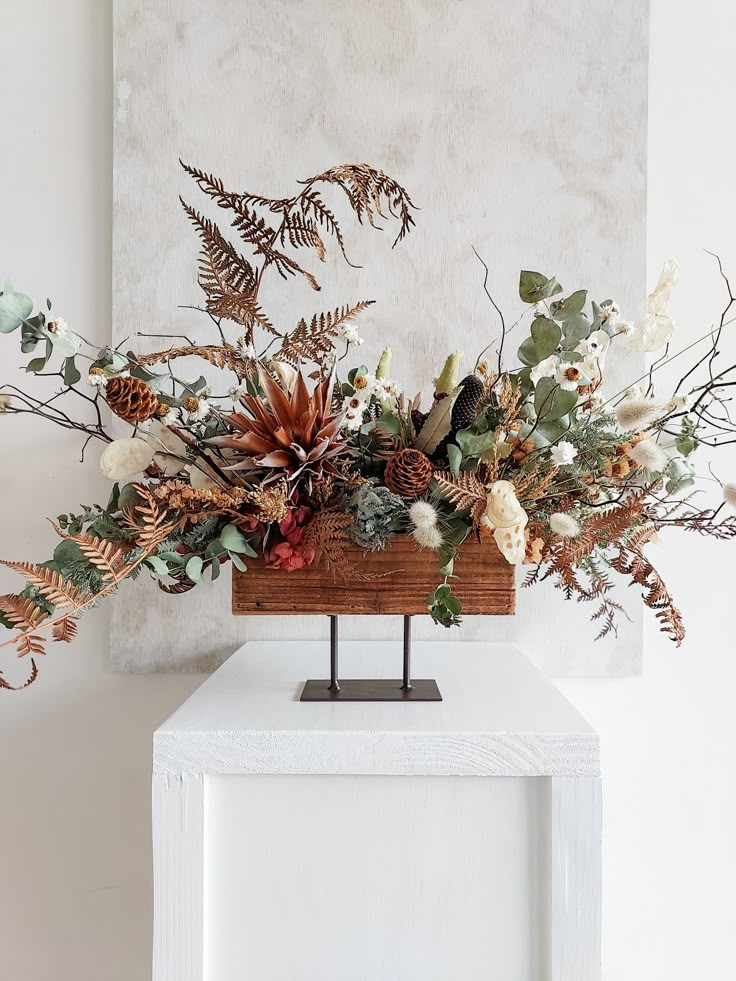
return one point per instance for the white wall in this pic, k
(75, 749)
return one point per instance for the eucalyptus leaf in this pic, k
(71, 373)
(577, 328)
(455, 457)
(238, 562)
(551, 402)
(194, 568)
(14, 308)
(474, 444)
(157, 564)
(571, 306)
(535, 286)
(216, 568)
(233, 540)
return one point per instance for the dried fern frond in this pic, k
(105, 556)
(311, 203)
(635, 565)
(285, 265)
(147, 520)
(369, 190)
(223, 356)
(315, 340)
(51, 584)
(29, 644)
(29, 681)
(301, 232)
(65, 630)
(532, 484)
(22, 612)
(214, 188)
(327, 534)
(464, 491)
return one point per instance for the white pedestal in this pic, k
(315, 842)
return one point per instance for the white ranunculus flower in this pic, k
(563, 453)
(545, 369)
(124, 458)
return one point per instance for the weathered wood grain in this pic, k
(402, 576)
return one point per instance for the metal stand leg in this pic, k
(371, 689)
(334, 683)
(407, 654)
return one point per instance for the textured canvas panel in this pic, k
(519, 128)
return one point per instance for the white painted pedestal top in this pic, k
(499, 716)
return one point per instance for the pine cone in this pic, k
(131, 399)
(408, 473)
(465, 409)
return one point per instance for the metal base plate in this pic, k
(372, 690)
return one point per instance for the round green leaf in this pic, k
(14, 308)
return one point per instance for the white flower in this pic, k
(596, 345)
(245, 348)
(680, 403)
(729, 495)
(64, 340)
(124, 458)
(563, 453)
(568, 377)
(387, 388)
(564, 525)
(349, 334)
(626, 328)
(195, 409)
(423, 514)
(634, 413)
(649, 455)
(611, 313)
(170, 417)
(428, 537)
(96, 378)
(353, 407)
(545, 369)
(236, 391)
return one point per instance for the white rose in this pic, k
(545, 369)
(124, 458)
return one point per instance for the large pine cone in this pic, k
(131, 399)
(465, 409)
(408, 473)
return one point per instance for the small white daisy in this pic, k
(569, 377)
(237, 390)
(387, 388)
(611, 313)
(195, 409)
(96, 378)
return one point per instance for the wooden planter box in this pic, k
(404, 574)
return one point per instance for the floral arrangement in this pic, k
(299, 462)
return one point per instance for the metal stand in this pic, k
(371, 689)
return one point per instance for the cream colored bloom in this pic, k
(545, 369)
(564, 525)
(658, 327)
(124, 458)
(423, 514)
(729, 495)
(427, 537)
(634, 413)
(563, 453)
(649, 455)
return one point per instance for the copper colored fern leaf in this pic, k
(314, 340)
(464, 491)
(65, 630)
(49, 583)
